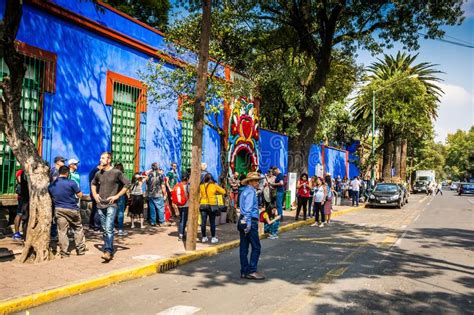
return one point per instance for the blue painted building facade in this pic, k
(90, 42)
(95, 53)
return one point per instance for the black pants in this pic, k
(318, 210)
(302, 202)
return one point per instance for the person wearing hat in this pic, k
(248, 228)
(73, 174)
(64, 193)
(54, 173)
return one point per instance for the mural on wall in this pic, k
(243, 136)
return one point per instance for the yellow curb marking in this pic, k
(160, 266)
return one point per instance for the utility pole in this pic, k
(198, 120)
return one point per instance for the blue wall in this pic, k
(273, 150)
(335, 162)
(353, 169)
(314, 159)
(79, 119)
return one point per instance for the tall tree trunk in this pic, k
(39, 222)
(403, 160)
(387, 158)
(198, 120)
(302, 20)
(397, 157)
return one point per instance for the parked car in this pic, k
(386, 195)
(406, 194)
(454, 186)
(466, 188)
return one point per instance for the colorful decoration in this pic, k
(243, 135)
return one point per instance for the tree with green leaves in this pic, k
(406, 103)
(152, 12)
(317, 29)
(460, 154)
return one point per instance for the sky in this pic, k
(456, 109)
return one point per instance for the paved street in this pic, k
(418, 259)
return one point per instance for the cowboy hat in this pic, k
(251, 176)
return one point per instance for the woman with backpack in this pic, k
(135, 209)
(180, 197)
(209, 207)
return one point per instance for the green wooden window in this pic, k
(187, 140)
(124, 111)
(31, 109)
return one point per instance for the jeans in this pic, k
(121, 211)
(355, 197)
(250, 238)
(157, 205)
(272, 229)
(107, 217)
(280, 195)
(212, 221)
(183, 219)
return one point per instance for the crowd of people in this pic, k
(156, 197)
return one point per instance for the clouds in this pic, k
(456, 111)
(468, 8)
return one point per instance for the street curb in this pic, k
(160, 266)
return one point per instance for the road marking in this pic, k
(180, 310)
(417, 217)
(471, 201)
(399, 241)
(423, 199)
(296, 304)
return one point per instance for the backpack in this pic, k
(179, 195)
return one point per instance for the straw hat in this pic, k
(251, 176)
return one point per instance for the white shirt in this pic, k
(355, 185)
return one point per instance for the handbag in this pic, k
(215, 210)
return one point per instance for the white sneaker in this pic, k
(321, 225)
(204, 239)
(214, 240)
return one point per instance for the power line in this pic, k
(469, 45)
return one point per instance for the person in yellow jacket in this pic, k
(209, 206)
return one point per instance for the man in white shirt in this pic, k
(355, 185)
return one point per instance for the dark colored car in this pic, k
(386, 195)
(406, 194)
(466, 188)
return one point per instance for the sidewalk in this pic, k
(139, 248)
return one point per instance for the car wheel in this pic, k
(399, 205)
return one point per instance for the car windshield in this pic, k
(386, 188)
(424, 178)
(468, 186)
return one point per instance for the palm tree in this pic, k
(391, 75)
